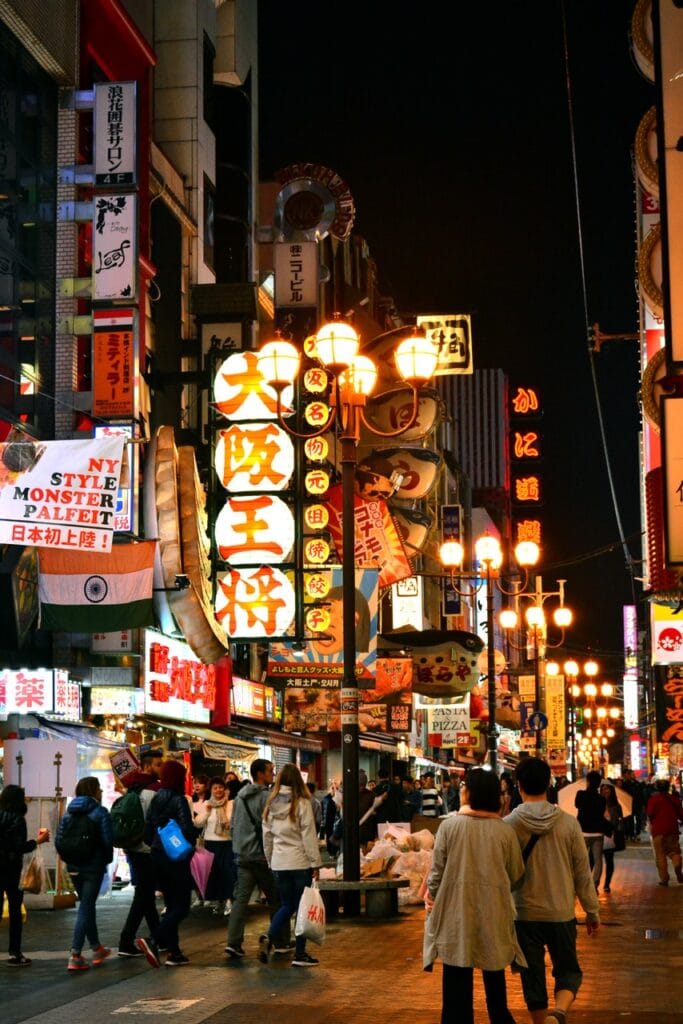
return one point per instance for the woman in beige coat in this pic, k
(470, 919)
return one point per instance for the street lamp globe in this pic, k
(527, 552)
(591, 690)
(488, 551)
(563, 617)
(416, 358)
(571, 668)
(337, 345)
(359, 378)
(451, 554)
(508, 618)
(278, 362)
(606, 689)
(552, 668)
(535, 617)
(591, 668)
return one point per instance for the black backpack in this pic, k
(78, 838)
(128, 821)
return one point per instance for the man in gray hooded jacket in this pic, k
(557, 872)
(247, 847)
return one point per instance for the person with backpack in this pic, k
(14, 843)
(173, 876)
(128, 817)
(85, 844)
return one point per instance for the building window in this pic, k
(209, 58)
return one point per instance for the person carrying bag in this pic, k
(14, 843)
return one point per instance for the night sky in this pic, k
(454, 137)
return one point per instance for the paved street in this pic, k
(370, 972)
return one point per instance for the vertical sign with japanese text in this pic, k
(113, 364)
(115, 133)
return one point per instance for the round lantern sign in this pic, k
(252, 530)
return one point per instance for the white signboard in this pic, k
(125, 497)
(117, 700)
(527, 689)
(667, 635)
(448, 721)
(407, 603)
(672, 432)
(631, 717)
(120, 640)
(296, 273)
(60, 494)
(26, 690)
(115, 133)
(452, 332)
(114, 248)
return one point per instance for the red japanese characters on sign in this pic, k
(177, 684)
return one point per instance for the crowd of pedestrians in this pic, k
(508, 865)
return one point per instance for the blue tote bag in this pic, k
(176, 846)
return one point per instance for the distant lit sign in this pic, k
(452, 333)
(177, 684)
(114, 262)
(253, 700)
(525, 401)
(631, 708)
(115, 133)
(672, 433)
(255, 603)
(28, 691)
(123, 512)
(117, 700)
(296, 273)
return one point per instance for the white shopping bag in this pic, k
(310, 917)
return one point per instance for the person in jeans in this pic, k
(590, 806)
(14, 843)
(252, 867)
(173, 877)
(87, 878)
(556, 873)
(470, 920)
(142, 874)
(665, 813)
(290, 844)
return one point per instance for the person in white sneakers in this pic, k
(290, 843)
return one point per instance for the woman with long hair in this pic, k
(14, 843)
(291, 848)
(470, 919)
(613, 818)
(215, 818)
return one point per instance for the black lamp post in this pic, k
(353, 378)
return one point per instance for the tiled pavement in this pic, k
(370, 972)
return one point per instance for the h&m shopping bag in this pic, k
(310, 917)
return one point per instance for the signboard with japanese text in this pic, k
(322, 656)
(124, 763)
(452, 332)
(254, 603)
(672, 435)
(526, 451)
(407, 603)
(377, 541)
(669, 703)
(296, 273)
(121, 640)
(124, 506)
(444, 662)
(253, 700)
(26, 690)
(177, 684)
(113, 362)
(115, 248)
(59, 494)
(115, 133)
(117, 700)
(555, 710)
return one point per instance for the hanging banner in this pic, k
(672, 435)
(322, 657)
(113, 367)
(667, 635)
(115, 133)
(669, 703)
(60, 494)
(114, 250)
(452, 332)
(447, 723)
(377, 541)
(296, 273)
(555, 711)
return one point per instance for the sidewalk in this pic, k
(370, 972)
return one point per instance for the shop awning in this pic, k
(287, 739)
(378, 742)
(216, 744)
(85, 734)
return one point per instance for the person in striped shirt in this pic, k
(432, 804)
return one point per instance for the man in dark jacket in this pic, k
(142, 873)
(173, 877)
(591, 814)
(252, 867)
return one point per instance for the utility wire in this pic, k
(584, 289)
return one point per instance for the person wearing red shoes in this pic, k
(84, 841)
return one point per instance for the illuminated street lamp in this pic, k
(352, 378)
(536, 632)
(489, 555)
(598, 712)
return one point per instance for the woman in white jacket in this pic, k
(290, 844)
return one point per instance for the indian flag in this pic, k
(96, 593)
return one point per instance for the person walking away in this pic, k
(215, 820)
(450, 794)
(151, 763)
(391, 808)
(557, 872)
(85, 843)
(470, 919)
(14, 843)
(591, 814)
(173, 877)
(507, 786)
(291, 848)
(664, 813)
(252, 867)
(367, 815)
(142, 874)
(432, 805)
(615, 823)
